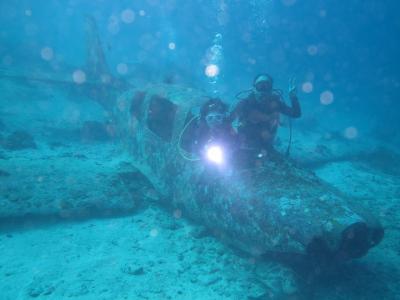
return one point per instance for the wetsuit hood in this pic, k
(263, 83)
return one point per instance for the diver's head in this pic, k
(214, 119)
(214, 113)
(263, 83)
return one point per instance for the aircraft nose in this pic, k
(358, 238)
(355, 241)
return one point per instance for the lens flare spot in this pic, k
(128, 16)
(7, 60)
(326, 98)
(312, 50)
(47, 53)
(171, 46)
(350, 132)
(177, 214)
(78, 76)
(105, 78)
(122, 68)
(289, 2)
(153, 232)
(307, 87)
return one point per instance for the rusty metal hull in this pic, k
(275, 207)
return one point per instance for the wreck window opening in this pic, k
(161, 116)
(136, 105)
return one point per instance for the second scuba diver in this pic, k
(258, 114)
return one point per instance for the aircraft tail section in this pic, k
(95, 80)
(96, 65)
(103, 87)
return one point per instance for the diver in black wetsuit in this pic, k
(258, 114)
(214, 127)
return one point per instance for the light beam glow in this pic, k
(215, 154)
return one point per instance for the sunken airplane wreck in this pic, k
(275, 207)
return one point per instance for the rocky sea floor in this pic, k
(77, 221)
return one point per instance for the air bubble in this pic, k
(211, 70)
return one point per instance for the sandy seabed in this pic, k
(95, 231)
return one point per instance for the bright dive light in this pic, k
(215, 154)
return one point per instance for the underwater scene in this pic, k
(199, 149)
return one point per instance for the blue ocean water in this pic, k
(90, 209)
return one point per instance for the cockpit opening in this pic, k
(161, 116)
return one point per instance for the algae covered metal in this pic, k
(273, 206)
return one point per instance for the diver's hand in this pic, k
(292, 88)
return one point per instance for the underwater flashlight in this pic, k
(215, 154)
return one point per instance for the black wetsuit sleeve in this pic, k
(294, 111)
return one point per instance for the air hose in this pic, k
(181, 151)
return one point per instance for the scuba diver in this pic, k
(258, 114)
(208, 135)
(214, 128)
